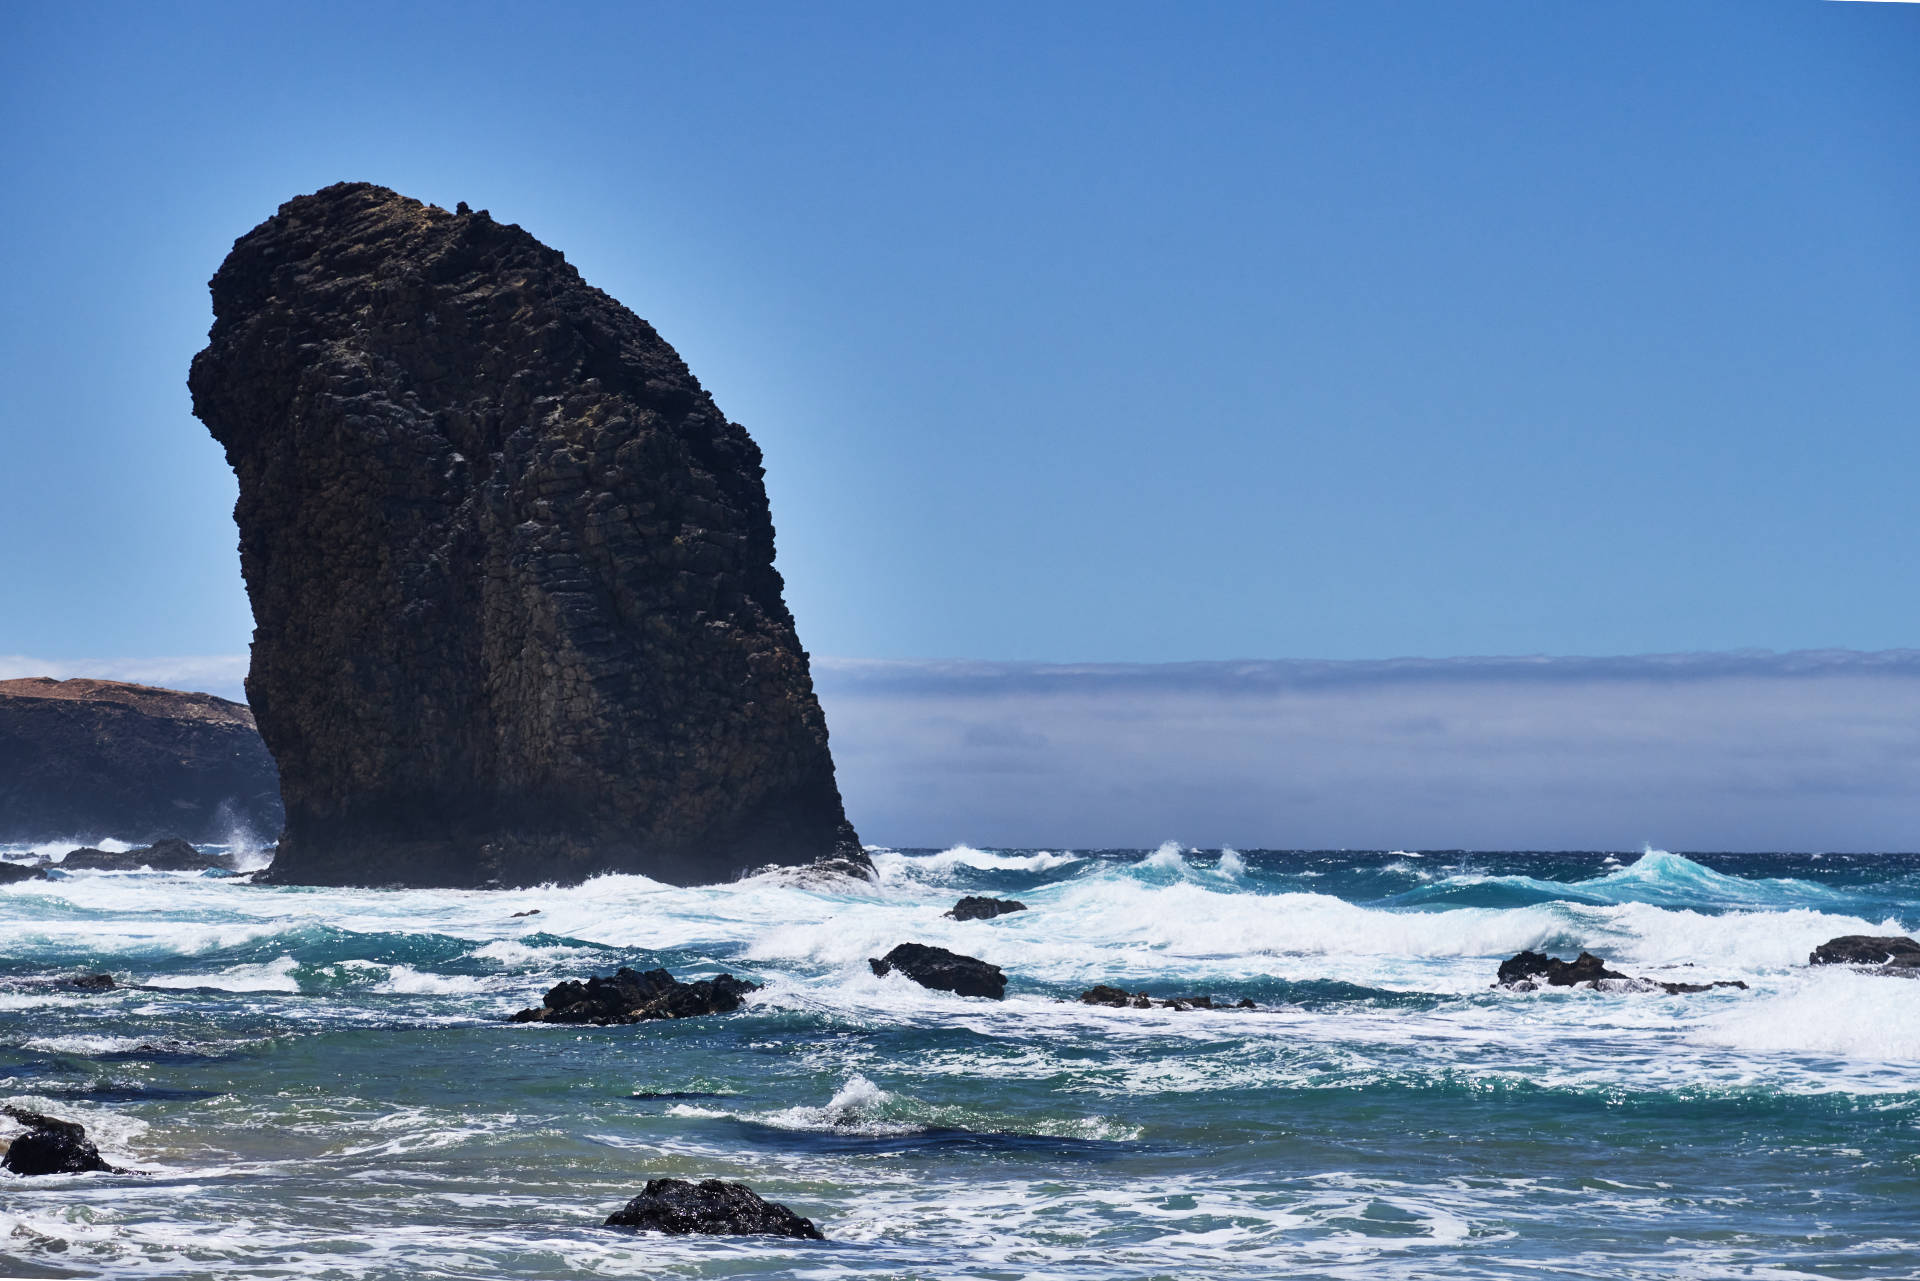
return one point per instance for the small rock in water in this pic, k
(1120, 998)
(169, 855)
(11, 872)
(1528, 970)
(944, 971)
(92, 983)
(51, 1146)
(975, 908)
(632, 997)
(711, 1208)
(1529, 966)
(532, 911)
(1889, 952)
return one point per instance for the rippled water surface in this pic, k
(319, 1083)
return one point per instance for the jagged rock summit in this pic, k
(516, 616)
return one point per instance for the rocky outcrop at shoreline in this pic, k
(710, 1208)
(87, 759)
(511, 568)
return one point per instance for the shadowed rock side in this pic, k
(511, 569)
(86, 759)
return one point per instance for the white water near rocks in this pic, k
(319, 1082)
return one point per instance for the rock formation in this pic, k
(511, 569)
(51, 1146)
(1891, 953)
(1120, 998)
(631, 997)
(944, 971)
(1528, 971)
(711, 1208)
(87, 759)
(170, 855)
(976, 908)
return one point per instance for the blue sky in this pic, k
(1101, 332)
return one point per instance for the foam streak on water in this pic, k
(320, 1083)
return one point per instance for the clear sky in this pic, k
(1125, 332)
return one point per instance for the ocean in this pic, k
(320, 1083)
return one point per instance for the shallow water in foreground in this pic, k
(318, 1083)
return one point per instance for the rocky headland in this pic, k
(517, 618)
(89, 759)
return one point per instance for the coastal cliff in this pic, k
(86, 760)
(516, 616)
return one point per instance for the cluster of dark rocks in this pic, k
(170, 854)
(51, 1146)
(1895, 955)
(629, 996)
(1526, 971)
(1120, 998)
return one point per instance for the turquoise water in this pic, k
(318, 1083)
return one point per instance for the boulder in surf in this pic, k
(976, 908)
(710, 1207)
(1892, 952)
(51, 1146)
(944, 971)
(629, 996)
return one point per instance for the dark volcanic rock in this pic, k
(1894, 951)
(631, 997)
(935, 967)
(89, 759)
(975, 908)
(51, 1146)
(170, 855)
(11, 872)
(517, 618)
(1102, 994)
(1528, 970)
(92, 983)
(712, 1208)
(1528, 966)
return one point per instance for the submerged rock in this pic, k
(628, 996)
(1887, 952)
(86, 759)
(975, 908)
(944, 971)
(711, 1208)
(1526, 971)
(1102, 994)
(516, 613)
(51, 1146)
(92, 983)
(170, 855)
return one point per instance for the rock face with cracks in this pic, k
(511, 569)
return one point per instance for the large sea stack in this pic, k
(516, 616)
(86, 759)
